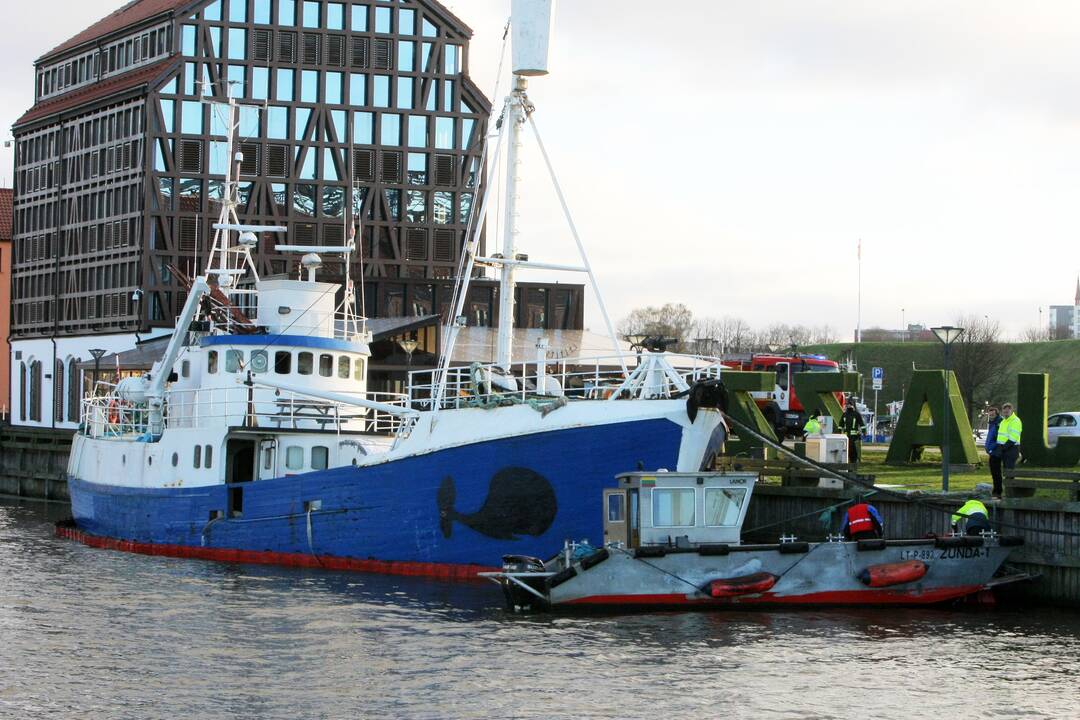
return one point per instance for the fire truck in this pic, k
(780, 406)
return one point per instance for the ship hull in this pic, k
(822, 574)
(446, 513)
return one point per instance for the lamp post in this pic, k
(96, 353)
(408, 345)
(947, 334)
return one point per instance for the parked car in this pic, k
(1062, 424)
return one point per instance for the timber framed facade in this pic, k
(360, 107)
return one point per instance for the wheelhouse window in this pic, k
(358, 370)
(343, 367)
(233, 360)
(211, 362)
(208, 456)
(198, 456)
(616, 508)
(326, 365)
(304, 363)
(294, 458)
(320, 457)
(283, 362)
(259, 361)
(723, 505)
(673, 507)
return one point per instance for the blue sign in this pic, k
(877, 374)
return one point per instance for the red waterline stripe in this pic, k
(832, 597)
(440, 571)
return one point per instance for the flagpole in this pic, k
(858, 318)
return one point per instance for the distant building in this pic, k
(1065, 319)
(119, 170)
(913, 333)
(5, 302)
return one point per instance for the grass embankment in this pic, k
(1059, 358)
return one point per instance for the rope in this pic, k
(856, 480)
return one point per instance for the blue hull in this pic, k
(465, 506)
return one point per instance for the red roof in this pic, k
(103, 89)
(135, 11)
(7, 214)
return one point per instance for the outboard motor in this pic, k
(518, 599)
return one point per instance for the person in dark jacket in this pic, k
(992, 447)
(852, 425)
(862, 522)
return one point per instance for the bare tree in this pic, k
(1037, 334)
(673, 320)
(724, 335)
(980, 360)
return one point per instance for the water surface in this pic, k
(88, 633)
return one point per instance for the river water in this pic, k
(88, 633)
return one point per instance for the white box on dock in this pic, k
(827, 448)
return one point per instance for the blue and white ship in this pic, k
(255, 439)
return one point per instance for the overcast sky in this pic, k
(730, 155)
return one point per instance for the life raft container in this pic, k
(745, 585)
(895, 573)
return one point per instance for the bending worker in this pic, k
(862, 522)
(974, 517)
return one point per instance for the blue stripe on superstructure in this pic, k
(390, 511)
(286, 340)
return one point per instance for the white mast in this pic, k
(531, 28)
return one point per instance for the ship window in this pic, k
(320, 456)
(343, 367)
(616, 511)
(673, 507)
(358, 370)
(722, 506)
(233, 360)
(258, 361)
(185, 368)
(283, 362)
(208, 456)
(175, 459)
(268, 457)
(294, 457)
(198, 456)
(304, 363)
(326, 365)
(211, 362)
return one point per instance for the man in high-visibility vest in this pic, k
(1008, 438)
(812, 426)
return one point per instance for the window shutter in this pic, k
(381, 53)
(188, 232)
(444, 169)
(364, 165)
(260, 45)
(311, 48)
(251, 163)
(191, 156)
(444, 245)
(391, 167)
(359, 58)
(277, 160)
(286, 47)
(416, 244)
(335, 50)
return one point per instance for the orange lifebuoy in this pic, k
(745, 585)
(895, 573)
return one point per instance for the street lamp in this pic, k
(96, 353)
(947, 334)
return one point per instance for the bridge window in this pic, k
(233, 360)
(304, 363)
(283, 362)
(198, 456)
(211, 362)
(343, 367)
(358, 370)
(294, 457)
(185, 368)
(326, 365)
(258, 361)
(208, 456)
(673, 507)
(722, 506)
(320, 457)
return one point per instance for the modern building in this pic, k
(1065, 319)
(5, 303)
(119, 166)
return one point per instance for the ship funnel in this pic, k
(531, 22)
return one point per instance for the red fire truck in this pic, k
(780, 406)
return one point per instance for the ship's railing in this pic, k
(108, 415)
(591, 378)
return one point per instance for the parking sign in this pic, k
(877, 375)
